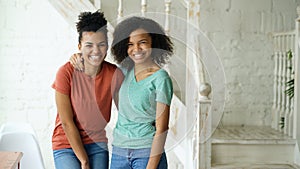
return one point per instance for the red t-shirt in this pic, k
(91, 100)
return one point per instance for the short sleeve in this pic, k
(164, 90)
(62, 81)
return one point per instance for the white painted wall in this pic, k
(35, 40)
(240, 31)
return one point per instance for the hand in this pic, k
(76, 61)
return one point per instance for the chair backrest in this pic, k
(21, 137)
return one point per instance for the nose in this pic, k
(96, 49)
(136, 47)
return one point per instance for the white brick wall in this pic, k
(35, 40)
(240, 31)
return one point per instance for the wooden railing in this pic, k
(296, 122)
(284, 48)
(286, 108)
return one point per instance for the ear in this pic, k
(79, 46)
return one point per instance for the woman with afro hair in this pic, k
(141, 47)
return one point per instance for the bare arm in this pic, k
(65, 112)
(162, 122)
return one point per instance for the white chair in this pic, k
(22, 138)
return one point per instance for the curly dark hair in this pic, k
(162, 46)
(91, 22)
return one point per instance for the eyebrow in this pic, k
(140, 40)
(143, 39)
(92, 43)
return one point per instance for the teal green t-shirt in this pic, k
(135, 127)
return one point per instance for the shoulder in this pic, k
(162, 74)
(66, 69)
(109, 66)
(111, 69)
(162, 78)
(64, 78)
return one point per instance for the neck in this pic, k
(141, 67)
(143, 71)
(92, 71)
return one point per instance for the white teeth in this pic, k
(138, 55)
(93, 57)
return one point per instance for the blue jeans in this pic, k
(123, 158)
(97, 153)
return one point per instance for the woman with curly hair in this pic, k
(141, 47)
(84, 100)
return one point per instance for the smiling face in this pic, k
(139, 47)
(93, 47)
